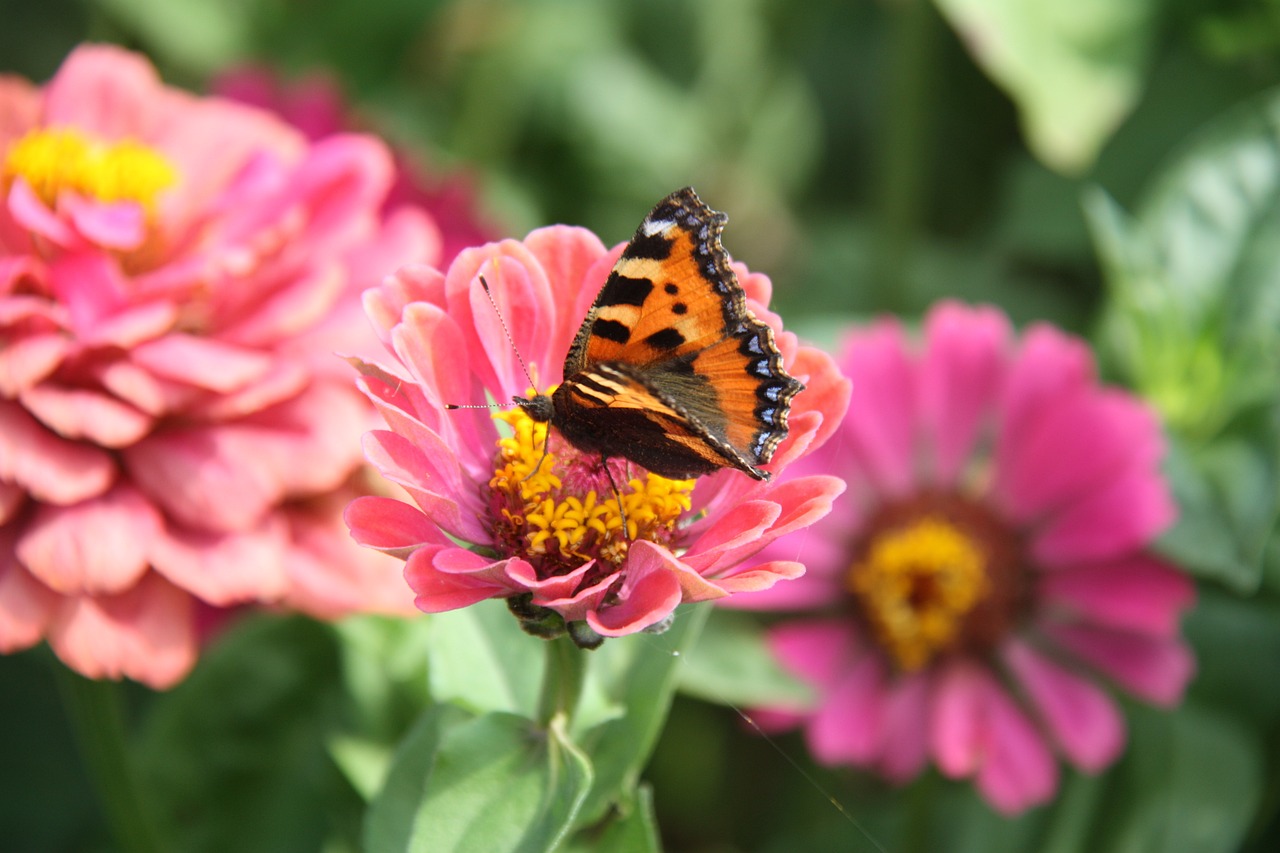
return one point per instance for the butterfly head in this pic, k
(538, 407)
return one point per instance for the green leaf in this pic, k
(638, 675)
(1074, 67)
(235, 755)
(1194, 320)
(480, 659)
(198, 36)
(732, 665)
(632, 828)
(494, 783)
(1232, 637)
(1226, 494)
(1190, 783)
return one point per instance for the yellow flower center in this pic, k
(555, 507)
(917, 583)
(55, 160)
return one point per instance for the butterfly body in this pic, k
(670, 369)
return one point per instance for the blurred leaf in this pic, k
(384, 667)
(732, 665)
(493, 783)
(1195, 316)
(631, 828)
(1190, 783)
(1074, 67)
(1227, 498)
(196, 36)
(235, 755)
(639, 673)
(1235, 639)
(480, 659)
(1073, 813)
(363, 761)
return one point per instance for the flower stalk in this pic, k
(94, 708)
(561, 680)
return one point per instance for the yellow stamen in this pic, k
(916, 584)
(55, 160)
(564, 528)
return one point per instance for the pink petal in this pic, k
(520, 289)
(52, 469)
(385, 303)
(1076, 445)
(30, 213)
(566, 255)
(26, 606)
(1019, 771)
(957, 730)
(91, 287)
(449, 578)
(1138, 593)
(759, 577)
(1116, 519)
(97, 547)
(84, 414)
(1080, 716)
(390, 525)
(960, 378)
(904, 747)
(146, 633)
(743, 525)
(104, 91)
(226, 568)
(649, 593)
(849, 726)
(879, 428)
(817, 650)
(130, 325)
(431, 476)
(144, 390)
(1154, 668)
(330, 576)
(209, 478)
(826, 391)
(1050, 365)
(121, 226)
(202, 362)
(27, 359)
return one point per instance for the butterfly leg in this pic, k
(617, 493)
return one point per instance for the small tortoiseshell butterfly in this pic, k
(670, 368)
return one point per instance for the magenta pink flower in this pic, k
(492, 519)
(986, 574)
(314, 104)
(176, 274)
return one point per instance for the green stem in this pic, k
(94, 708)
(903, 151)
(919, 814)
(561, 680)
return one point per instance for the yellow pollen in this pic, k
(916, 584)
(55, 160)
(565, 528)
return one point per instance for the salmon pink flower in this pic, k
(176, 274)
(986, 578)
(314, 104)
(492, 518)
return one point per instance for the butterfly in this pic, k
(670, 369)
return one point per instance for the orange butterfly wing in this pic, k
(670, 368)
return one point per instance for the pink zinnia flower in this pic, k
(314, 104)
(987, 571)
(546, 534)
(176, 274)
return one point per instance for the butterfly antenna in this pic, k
(502, 321)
